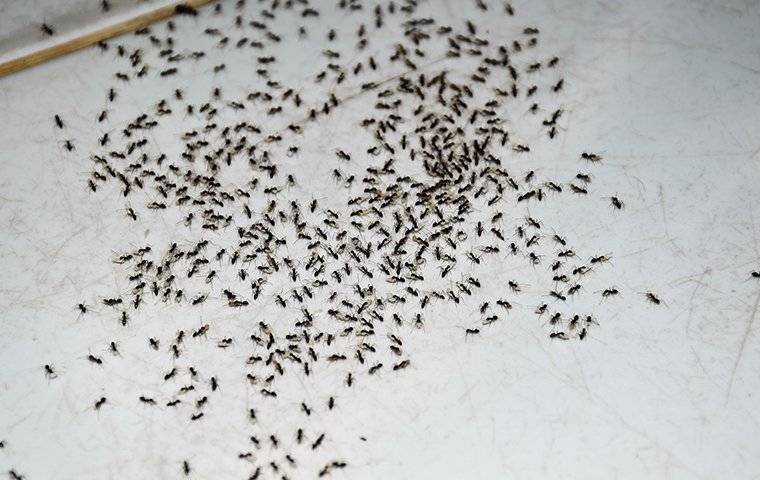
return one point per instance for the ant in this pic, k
(610, 291)
(591, 157)
(317, 442)
(401, 365)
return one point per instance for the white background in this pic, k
(668, 92)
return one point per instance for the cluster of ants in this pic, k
(430, 200)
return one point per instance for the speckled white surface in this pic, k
(668, 92)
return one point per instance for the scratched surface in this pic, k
(667, 93)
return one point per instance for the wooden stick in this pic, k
(105, 33)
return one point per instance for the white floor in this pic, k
(667, 92)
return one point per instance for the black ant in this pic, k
(653, 298)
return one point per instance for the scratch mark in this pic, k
(699, 283)
(671, 239)
(747, 332)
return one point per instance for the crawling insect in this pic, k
(401, 365)
(653, 298)
(49, 372)
(15, 475)
(318, 442)
(600, 259)
(608, 292)
(591, 157)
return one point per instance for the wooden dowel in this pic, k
(105, 33)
